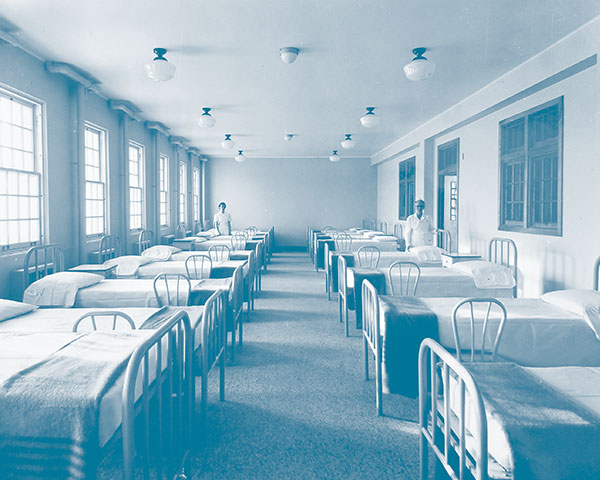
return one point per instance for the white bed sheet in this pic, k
(536, 333)
(387, 258)
(155, 268)
(62, 320)
(445, 282)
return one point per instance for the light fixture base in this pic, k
(288, 54)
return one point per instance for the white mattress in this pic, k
(382, 246)
(21, 350)
(150, 270)
(445, 282)
(387, 258)
(536, 333)
(118, 293)
(183, 255)
(62, 320)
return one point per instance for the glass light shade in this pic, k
(288, 137)
(348, 143)
(240, 156)
(334, 157)
(160, 70)
(369, 119)
(288, 54)
(419, 69)
(206, 120)
(228, 143)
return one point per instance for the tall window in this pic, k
(21, 170)
(182, 191)
(163, 189)
(406, 188)
(95, 180)
(196, 193)
(136, 186)
(531, 170)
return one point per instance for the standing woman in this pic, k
(222, 220)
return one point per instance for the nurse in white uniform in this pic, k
(419, 227)
(222, 220)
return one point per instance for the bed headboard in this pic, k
(596, 273)
(443, 239)
(197, 227)
(40, 261)
(503, 251)
(180, 230)
(110, 247)
(146, 240)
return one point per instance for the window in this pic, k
(182, 191)
(21, 170)
(406, 188)
(163, 189)
(196, 193)
(95, 180)
(531, 170)
(136, 186)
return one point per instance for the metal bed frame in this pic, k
(40, 261)
(442, 423)
(343, 293)
(236, 309)
(180, 231)
(110, 247)
(171, 394)
(372, 340)
(503, 251)
(443, 240)
(596, 273)
(145, 240)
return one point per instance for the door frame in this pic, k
(441, 173)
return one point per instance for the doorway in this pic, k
(447, 202)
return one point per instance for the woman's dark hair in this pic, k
(222, 203)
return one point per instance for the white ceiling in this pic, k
(351, 56)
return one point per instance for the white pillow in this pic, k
(487, 274)
(385, 238)
(160, 253)
(59, 289)
(585, 303)
(127, 265)
(10, 309)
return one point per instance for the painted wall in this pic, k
(291, 194)
(545, 262)
(23, 73)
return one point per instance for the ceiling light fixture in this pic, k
(206, 120)
(240, 156)
(348, 143)
(334, 157)
(288, 137)
(160, 70)
(228, 143)
(288, 54)
(419, 68)
(369, 119)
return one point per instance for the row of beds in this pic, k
(508, 387)
(109, 371)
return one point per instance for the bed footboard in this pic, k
(157, 401)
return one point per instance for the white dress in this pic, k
(222, 222)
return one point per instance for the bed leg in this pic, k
(378, 382)
(347, 319)
(233, 346)
(366, 349)
(222, 377)
(340, 308)
(241, 323)
(204, 395)
(424, 457)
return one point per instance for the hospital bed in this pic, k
(503, 421)
(207, 324)
(71, 289)
(495, 278)
(131, 391)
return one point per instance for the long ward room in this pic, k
(278, 239)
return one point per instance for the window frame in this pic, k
(406, 183)
(40, 167)
(163, 157)
(104, 176)
(525, 157)
(142, 181)
(196, 194)
(182, 192)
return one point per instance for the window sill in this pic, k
(553, 232)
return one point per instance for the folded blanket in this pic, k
(550, 436)
(127, 265)
(427, 253)
(487, 274)
(49, 412)
(408, 321)
(377, 279)
(160, 253)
